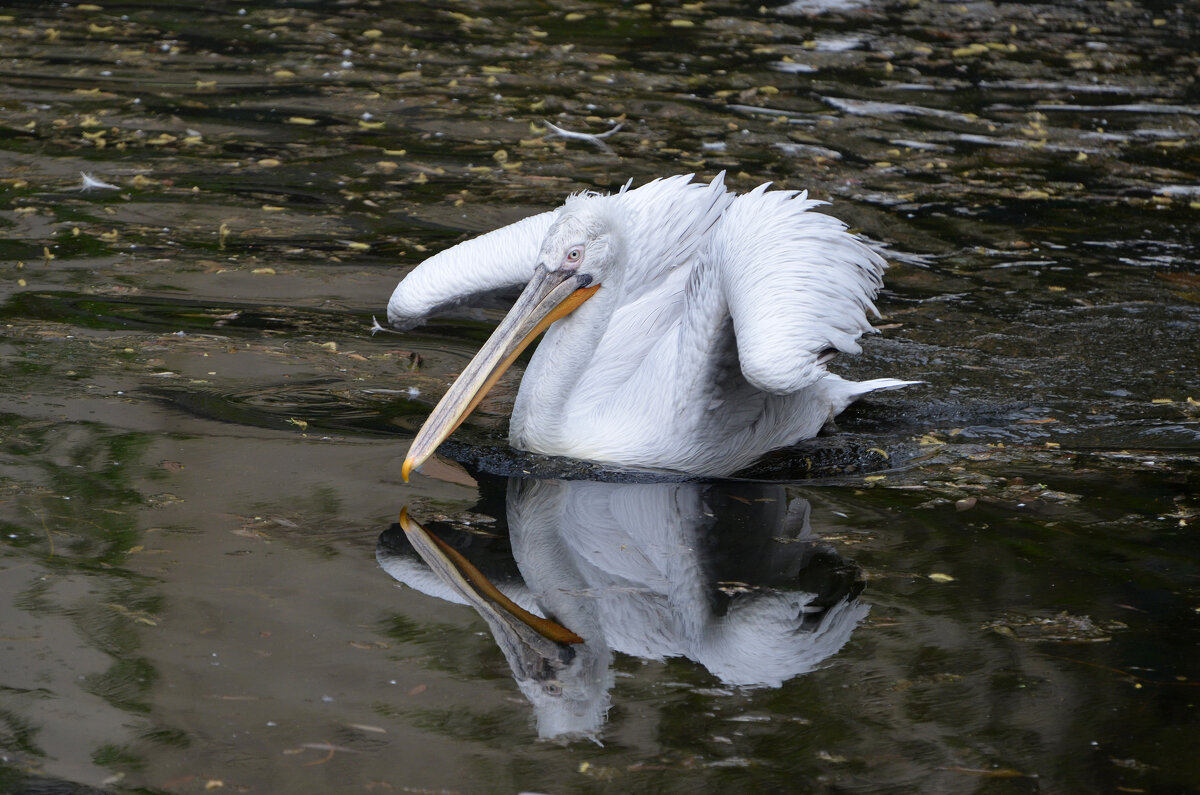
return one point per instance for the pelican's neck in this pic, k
(562, 357)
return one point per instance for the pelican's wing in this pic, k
(666, 222)
(797, 285)
(502, 258)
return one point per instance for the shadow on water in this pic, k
(200, 437)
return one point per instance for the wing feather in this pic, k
(796, 283)
(666, 224)
(501, 258)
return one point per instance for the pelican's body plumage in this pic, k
(688, 327)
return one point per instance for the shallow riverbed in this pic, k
(986, 583)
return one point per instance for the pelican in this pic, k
(688, 328)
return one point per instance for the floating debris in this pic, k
(92, 183)
(596, 139)
(377, 327)
(1061, 628)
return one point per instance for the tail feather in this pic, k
(842, 392)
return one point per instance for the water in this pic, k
(200, 440)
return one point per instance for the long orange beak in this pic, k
(550, 295)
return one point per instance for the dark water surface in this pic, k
(200, 440)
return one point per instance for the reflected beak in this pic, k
(549, 296)
(458, 572)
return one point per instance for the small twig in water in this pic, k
(325, 747)
(49, 537)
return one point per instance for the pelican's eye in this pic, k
(574, 255)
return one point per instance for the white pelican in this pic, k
(689, 327)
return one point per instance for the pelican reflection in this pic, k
(728, 575)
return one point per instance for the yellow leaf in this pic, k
(972, 49)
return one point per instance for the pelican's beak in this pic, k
(549, 296)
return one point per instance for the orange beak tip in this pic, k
(406, 470)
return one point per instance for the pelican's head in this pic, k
(581, 250)
(584, 239)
